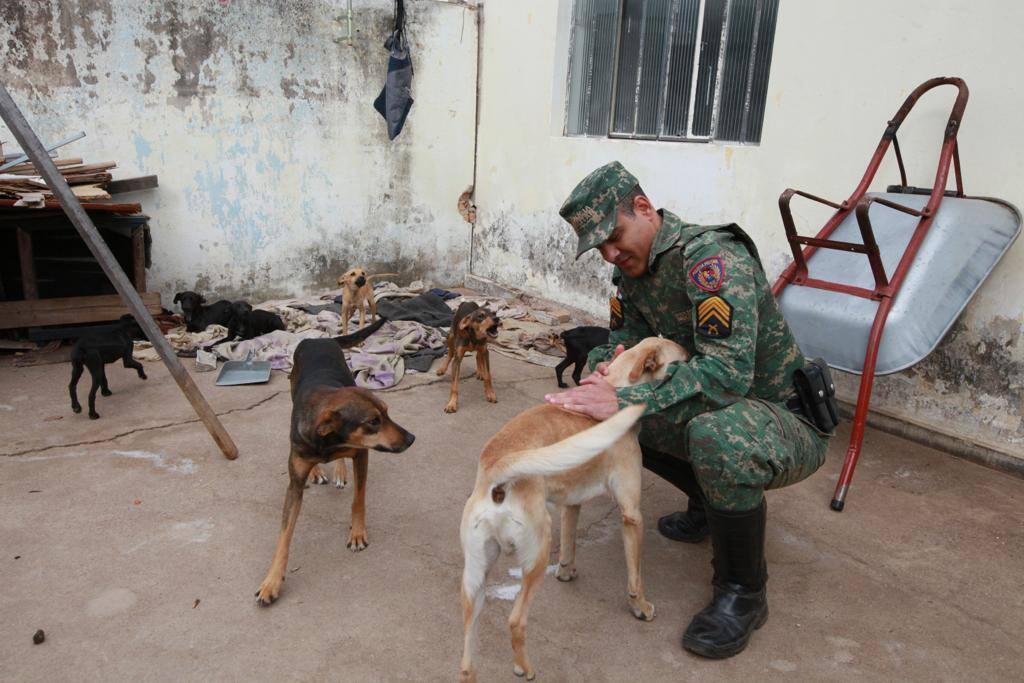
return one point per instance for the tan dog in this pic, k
(472, 328)
(548, 455)
(357, 294)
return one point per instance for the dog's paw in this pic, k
(441, 371)
(451, 407)
(641, 609)
(76, 409)
(317, 476)
(269, 590)
(563, 385)
(565, 574)
(528, 674)
(340, 483)
(491, 397)
(479, 377)
(142, 375)
(357, 540)
(106, 392)
(94, 416)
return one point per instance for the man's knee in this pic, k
(723, 457)
(710, 443)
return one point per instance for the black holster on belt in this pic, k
(817, 395)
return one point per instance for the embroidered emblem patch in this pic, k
(615, 318)
(714, 318)
(709, 273)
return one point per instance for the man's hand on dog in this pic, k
(594, 397)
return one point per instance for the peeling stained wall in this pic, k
(830, 95)
(276, 173)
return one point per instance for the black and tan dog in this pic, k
(331, 419)
(357, 294)
(472, 328)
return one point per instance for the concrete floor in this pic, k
(112, 530)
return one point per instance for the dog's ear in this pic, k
(465, 322)
(202, 299)
(328, 422)
(649, 362)
(177, 297)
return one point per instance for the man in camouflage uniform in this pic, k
(718, 426)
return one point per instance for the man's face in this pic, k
(629, 245)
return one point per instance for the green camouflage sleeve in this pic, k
(630, 331)
(725, 321)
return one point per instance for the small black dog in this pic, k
(248, 323)
(96, 350)
(198, 316)
(254, 323)
(579, 341)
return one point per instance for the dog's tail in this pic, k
(370, 278)
(568, 453)
(349, 340)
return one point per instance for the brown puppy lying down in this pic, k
(356, 294)
(472, 328)
(548, 455)
(331, 419)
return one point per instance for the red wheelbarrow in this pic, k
(938, 245)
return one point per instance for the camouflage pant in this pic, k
(741, 450)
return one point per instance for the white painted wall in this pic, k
(275, 171)
(839, 71)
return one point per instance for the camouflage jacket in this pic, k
(704, 289)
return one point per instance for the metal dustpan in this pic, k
(246, 371)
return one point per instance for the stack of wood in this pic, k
(23, 183)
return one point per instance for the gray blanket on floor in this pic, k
(428, 309)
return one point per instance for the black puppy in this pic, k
(199, 316)
(238, 309)
(254, 323)
(249, 323)
(96, 350)
(579, 341)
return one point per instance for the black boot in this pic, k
(740, 605)
(690, 526)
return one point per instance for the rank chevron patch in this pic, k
(714, 318)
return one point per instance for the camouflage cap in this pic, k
(590, 209)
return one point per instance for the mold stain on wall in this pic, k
(275, 171)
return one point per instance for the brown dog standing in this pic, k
(357, 293)
(331, 419)
(472, 328)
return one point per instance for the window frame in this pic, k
(723, 45)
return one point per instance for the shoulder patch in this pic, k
(714, 318)
(709, 273)
(615, 319)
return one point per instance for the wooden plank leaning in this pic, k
(31, 146)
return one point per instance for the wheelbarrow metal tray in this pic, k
(967, 238)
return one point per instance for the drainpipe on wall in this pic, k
(476, 125)
(467, 200)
